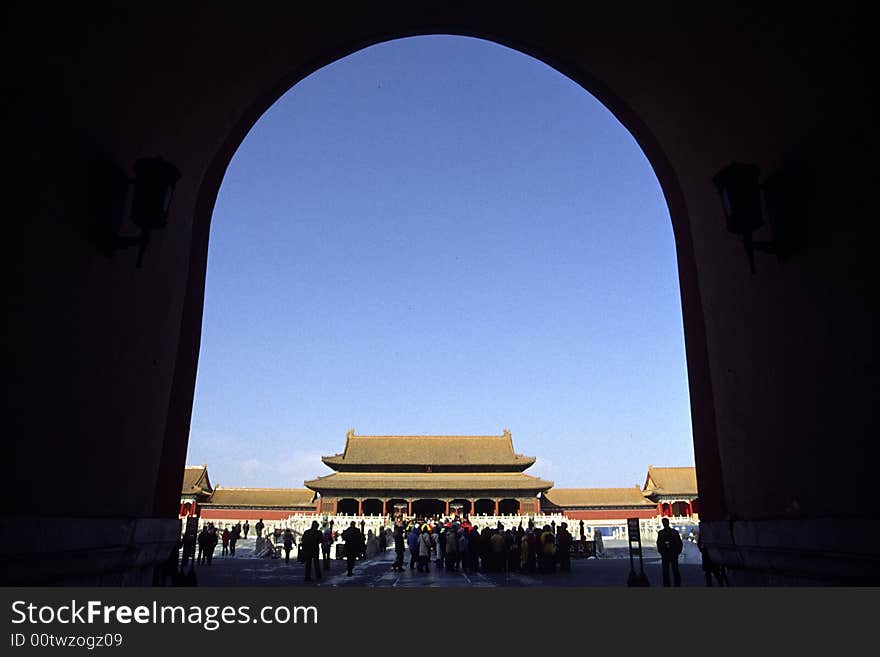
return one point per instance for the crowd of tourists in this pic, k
(455, 544)
(449, 544)
(207, 540)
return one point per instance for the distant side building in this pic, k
(255, 503)
(199, 498)
(598, 503)
(668, 491)
(195, 490)
(673, 490)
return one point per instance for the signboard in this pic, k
(635, 548)
(632, 528)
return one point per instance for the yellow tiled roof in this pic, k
(438, 481)
(262, 497)
(429, 450)
(587, 497)
(195, 480)
(671, 481)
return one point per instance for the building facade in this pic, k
(387, 476)
(428, 476)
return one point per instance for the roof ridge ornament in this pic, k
(348, 436)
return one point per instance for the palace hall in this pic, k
(427, 476)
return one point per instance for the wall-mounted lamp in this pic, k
(741, 197)
(154, 183)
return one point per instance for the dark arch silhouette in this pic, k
(770, 377)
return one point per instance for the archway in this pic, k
(372, 507)
(484, 507)
(347, 506)
(460, 506)
(582, 80)
(508, 507)
(428, 508)
(397, 506)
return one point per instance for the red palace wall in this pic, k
(610, 514)
(247, 514)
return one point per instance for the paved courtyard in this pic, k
(246, 570)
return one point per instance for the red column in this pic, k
(496, 507)
(659, 508)
(447, 507)
(360, 507)
(690, 510)
(409, 507)
(384, 507)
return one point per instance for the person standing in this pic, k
(189, 551)
(563, 547)
(669, 546)
(354, 546)
(211, 543)
(451, 547)
(440, 535)
(288, 544)
(399, 547)
(547, 542)
(326, 545)
(425, 544)
(246, 528)
(225, 539)
(474, 549)
(372, 545)
(259, 527)
(497, 546)
(532, 547)
(311, 541)
(412, 541)
(233, 538)
(202, 541)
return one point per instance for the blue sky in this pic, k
(440, 235)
